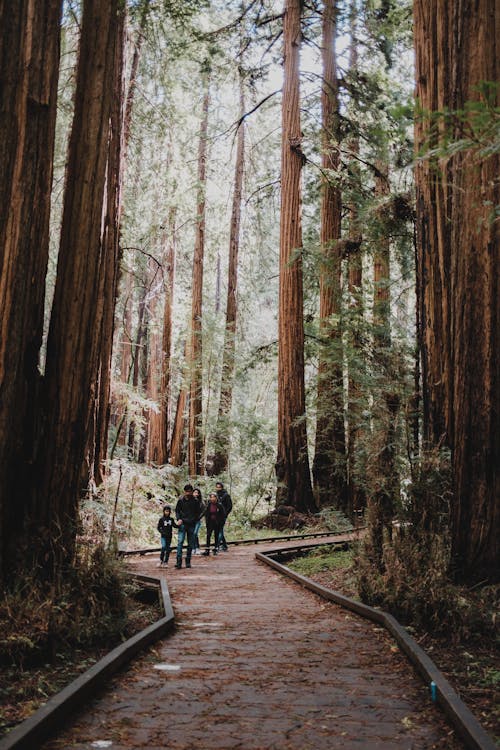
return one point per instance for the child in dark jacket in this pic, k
(214, 518)
(166, 525)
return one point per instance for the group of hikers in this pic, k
(189, 512)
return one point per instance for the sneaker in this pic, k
(188, 565)
(206, 553)
(178, 566)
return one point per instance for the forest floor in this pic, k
(472, 668)
(23, 689)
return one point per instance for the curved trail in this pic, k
(258, 663)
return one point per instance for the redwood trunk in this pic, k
(329, 468)
(221, 454)
(292, 464)
(159, 363)
(355, 397)
(195, 437)
(180, 422)
(125, 345)
(119, 409)
(113, 256)
(166, 345)
(381, 502)
(458, 252)
(73, 355)
(29, 64)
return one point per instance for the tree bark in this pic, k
(29, 64)
(119, 411)
(125, 358)
(177, 451)
(221, 439)
(159, 370)
(329, 467)
(384, 480)
(292, 464)
(458, 253)
(356, 499)
(112, 252)
(73, 355)
(195, 437)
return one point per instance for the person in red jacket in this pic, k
(214, 518)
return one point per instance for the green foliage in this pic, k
(323, 559)
(415, 587)
(474, 129)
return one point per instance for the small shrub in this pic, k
(88, 606)
(415, 587)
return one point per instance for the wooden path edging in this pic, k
(31, 732)
(237, 542)
(459, 715)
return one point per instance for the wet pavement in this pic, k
(257, 662)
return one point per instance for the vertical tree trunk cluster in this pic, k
(356, 395)
(221, 439)
(292, 464)
(159, 369)
(63, 430)
(383, 500)
(29, 64)
(329, 460)
(86, 271)
(458, 255)
(195, 436)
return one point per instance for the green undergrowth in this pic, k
(127, 506)
(89, 605)
(413, 584)
(47, 638)
(323, 559)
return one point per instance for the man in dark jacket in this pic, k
(188, 511)
(227, 504)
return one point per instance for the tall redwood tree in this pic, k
(457, 62)
(29, 67)
(83, 282)
(292, 463)
(221, 440)
(195, 437)
(329, 467)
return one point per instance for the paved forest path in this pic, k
(258, 663)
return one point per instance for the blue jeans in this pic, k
(165, 549)
(185, 529)
(196, 542)
(222, 539)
